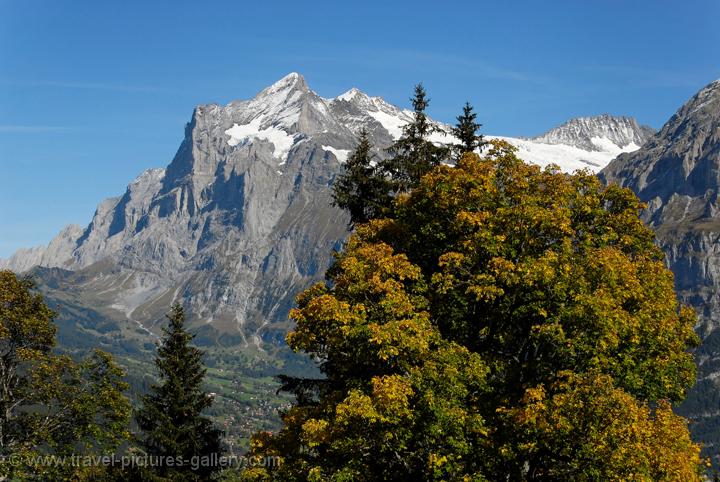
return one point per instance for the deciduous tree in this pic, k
(53, 406)
(531, 305)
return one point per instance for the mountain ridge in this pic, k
(238, 222)
(277, 120)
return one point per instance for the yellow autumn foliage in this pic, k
(505, 322)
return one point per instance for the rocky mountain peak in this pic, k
(288, 105)
(594, 133)
(699, 116)
(382, 120)
(56, 254)
(292, 81)
(351, 94)
(359, 99)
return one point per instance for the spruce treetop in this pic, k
(466, 130)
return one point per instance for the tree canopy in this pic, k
(414, 154)
(507, 323)
(52, 405)
(366, 187)
(362, 190)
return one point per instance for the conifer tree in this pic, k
(361, 189)
(414, 155)
(171, 416)
(466, 130)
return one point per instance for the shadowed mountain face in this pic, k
(677, 173)
(241, 219)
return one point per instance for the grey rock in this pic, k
(238, 223)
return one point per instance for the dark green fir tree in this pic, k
(362, 190)
(171, 417)
(466, 131)
(414, 155)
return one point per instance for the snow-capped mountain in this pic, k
(584, 142)
(595, 133)
(241, 220)
(581, 143)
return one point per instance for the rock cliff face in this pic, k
(677, 173)
(240, 221)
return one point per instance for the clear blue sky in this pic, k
(93, 92)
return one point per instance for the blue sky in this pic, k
(94, 92)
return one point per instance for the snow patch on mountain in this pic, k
(272, 115)
(349, 95)
(340, 154)
(569, 158)
(281, 140)
(279, 104)
(607, 145)
(393, 124)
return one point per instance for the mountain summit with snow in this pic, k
(241, 219)
(584, 142)
(598, 132)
